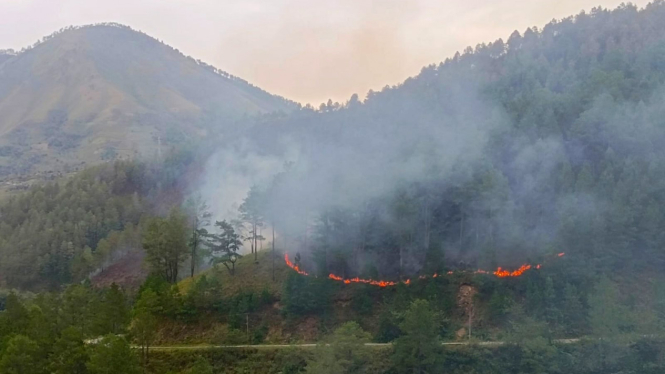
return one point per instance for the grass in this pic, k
(249, 275)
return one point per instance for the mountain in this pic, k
(90, 93)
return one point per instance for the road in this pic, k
(313, 345)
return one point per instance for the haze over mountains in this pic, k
(101, 92)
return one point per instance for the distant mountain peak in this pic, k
(96, 92)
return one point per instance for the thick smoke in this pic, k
(445, 140)
(337, 163)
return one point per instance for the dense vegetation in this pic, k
(549, 142)
(62, 231)
(47, 334)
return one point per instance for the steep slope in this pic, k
(106, 91)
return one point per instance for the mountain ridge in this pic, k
(105, 91)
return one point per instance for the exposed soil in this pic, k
(127, 272)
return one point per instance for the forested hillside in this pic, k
(551, 141)
(61, 232)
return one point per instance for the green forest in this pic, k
(510, 153)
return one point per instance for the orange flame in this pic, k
(292, 266)
(515, 273)
(500, 272)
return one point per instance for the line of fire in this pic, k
(499, 272)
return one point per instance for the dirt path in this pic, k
(313, 345)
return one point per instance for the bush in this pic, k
(259, 335)
(266, 297)
(235, 337)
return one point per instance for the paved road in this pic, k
(313, 345)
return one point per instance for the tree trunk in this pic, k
(273, 251)
(193, 259)
(461, 228)
(400, 261)
(491, 229)
(428, 225)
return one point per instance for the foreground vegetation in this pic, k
(46, 334)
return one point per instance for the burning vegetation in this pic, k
(499, 272)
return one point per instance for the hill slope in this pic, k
(99, 92)
(549, 142)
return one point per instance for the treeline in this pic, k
(62, 231)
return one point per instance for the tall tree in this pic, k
(165, 244)
(404, 211)
(418, 350)
(343, 352)
(251, 212)
(199, 214)
(16, 318)
(144, 322)
(22, 356)
(69, 355)
(113, 355)
(113, 313)
(224, 246)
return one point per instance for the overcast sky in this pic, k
(306, 50)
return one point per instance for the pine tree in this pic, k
(343, 352)
(165, 244)
(113, 355)
(199, 213)
(112, 313)
(144, 322)
(251, 212)
(224, 246)
(22, 356)
(418, 349)
(69, 355)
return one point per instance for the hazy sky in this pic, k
(306, 50)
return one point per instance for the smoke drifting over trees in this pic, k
(513, 150)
